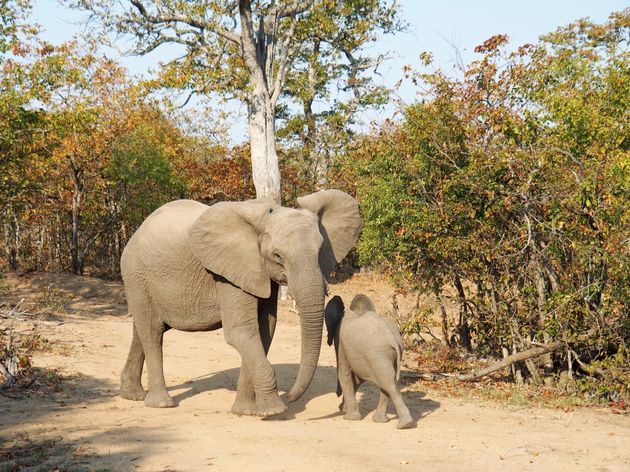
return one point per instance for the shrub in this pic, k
(511, 184)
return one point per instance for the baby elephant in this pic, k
(368, 347)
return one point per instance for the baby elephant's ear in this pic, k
(362, 304)
(333, 314)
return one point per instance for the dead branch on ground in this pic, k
(535, 351)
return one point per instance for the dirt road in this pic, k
(201, 433)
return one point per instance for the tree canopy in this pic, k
(248, 50)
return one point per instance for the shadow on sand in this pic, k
(324, 382)
(33, 435)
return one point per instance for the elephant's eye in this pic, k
(277, 257)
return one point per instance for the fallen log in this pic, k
(539, 350)
(431, 376)
(507, 361)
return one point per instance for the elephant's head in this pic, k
(335, 310)
(362, 304)
(253, 242)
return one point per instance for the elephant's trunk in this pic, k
(308, 291)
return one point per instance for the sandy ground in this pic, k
(201, 434)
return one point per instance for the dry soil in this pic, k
(91, 340)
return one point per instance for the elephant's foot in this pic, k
(379, 417)
(158, 398)
(270, 405)
(244, 406)
(135, 392)
(352, 415)
(405, 422)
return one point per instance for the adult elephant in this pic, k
(194, 267)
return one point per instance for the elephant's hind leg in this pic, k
(349, 385)
(386, 376)
(130, 384)
(151, 332)
(404, 417)
(380, 415)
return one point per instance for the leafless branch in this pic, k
(173, 19)
(284, 63)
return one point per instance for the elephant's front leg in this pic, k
(240, 317)
(245, 403)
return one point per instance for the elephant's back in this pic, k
(162, 235)
(368, 330)
(369, 345)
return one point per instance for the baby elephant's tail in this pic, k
(398, 363)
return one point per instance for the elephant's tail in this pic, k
(398, 363)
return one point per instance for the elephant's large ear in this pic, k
(332, 315)
(340, 223)
(225, 240)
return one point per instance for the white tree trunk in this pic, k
(262, 135)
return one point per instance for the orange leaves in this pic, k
(493, 43)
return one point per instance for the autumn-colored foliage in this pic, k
(83, 168)
(506, 187)
(509, 187)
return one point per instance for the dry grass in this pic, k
(19, 340)
(435, 358)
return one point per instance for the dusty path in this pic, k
(201, 434)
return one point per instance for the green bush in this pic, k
(510, 184)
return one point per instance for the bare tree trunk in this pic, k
(520, 344)
(541, 289)
(438, 295)
(12, 238)
(9, 234)
(507, 361)
(318, 161)
(506, 353)
(262, 135)
(464, 330)
(78, 195)
(58, 243)
(258, 47)
(40, 247)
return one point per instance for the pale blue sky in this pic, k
(435, 26)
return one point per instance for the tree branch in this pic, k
(296, 9)
(162, 18)
(248, 39)
(509, 360)
(284, 63)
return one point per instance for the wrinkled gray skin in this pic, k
(369, 348)
(194, 267)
